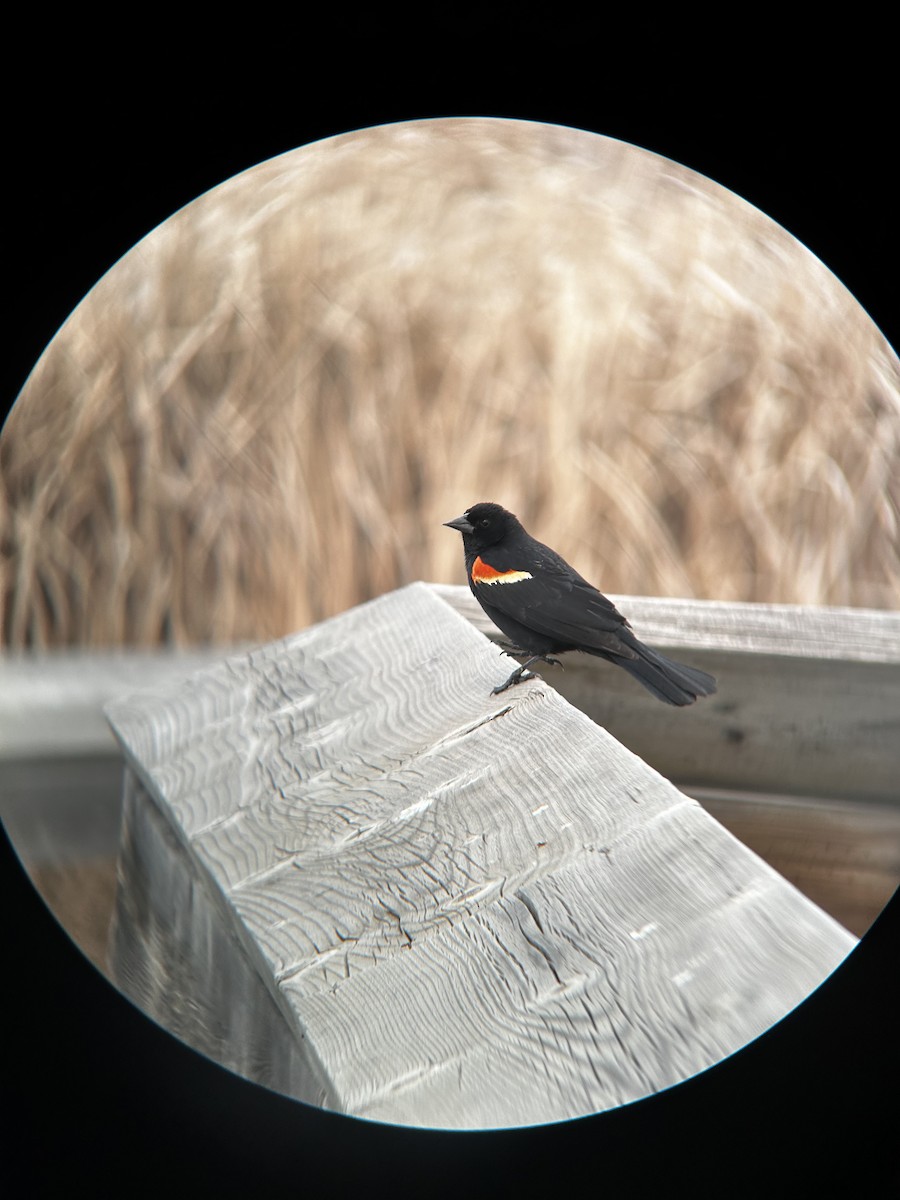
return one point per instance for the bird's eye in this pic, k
(485, 521)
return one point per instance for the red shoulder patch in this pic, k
(483, 572)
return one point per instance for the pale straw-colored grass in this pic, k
(262, 414)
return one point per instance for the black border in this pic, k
(98, 1094)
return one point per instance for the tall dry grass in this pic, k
(263, 413)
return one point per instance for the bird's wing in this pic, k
(552, 599)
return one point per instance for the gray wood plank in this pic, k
(844, 855)
(808, 700)
(51, 704)
(795, 630)
(177, 950)
(468, 911)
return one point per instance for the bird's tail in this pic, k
(667, 680)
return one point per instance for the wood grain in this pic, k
(467, 911)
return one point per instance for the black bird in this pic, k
(545, 607)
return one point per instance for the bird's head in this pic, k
(483, 525)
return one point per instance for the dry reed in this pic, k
(262, 414)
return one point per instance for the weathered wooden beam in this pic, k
(808, 700)
(436, 906)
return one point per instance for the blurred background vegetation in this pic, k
(263, 413)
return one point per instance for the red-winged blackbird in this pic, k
(545, 607)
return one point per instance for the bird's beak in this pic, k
(462, 524)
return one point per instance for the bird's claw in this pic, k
(520, 676)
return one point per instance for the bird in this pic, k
(546, 608)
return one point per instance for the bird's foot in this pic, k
(521, 674)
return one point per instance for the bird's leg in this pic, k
(522, 672)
